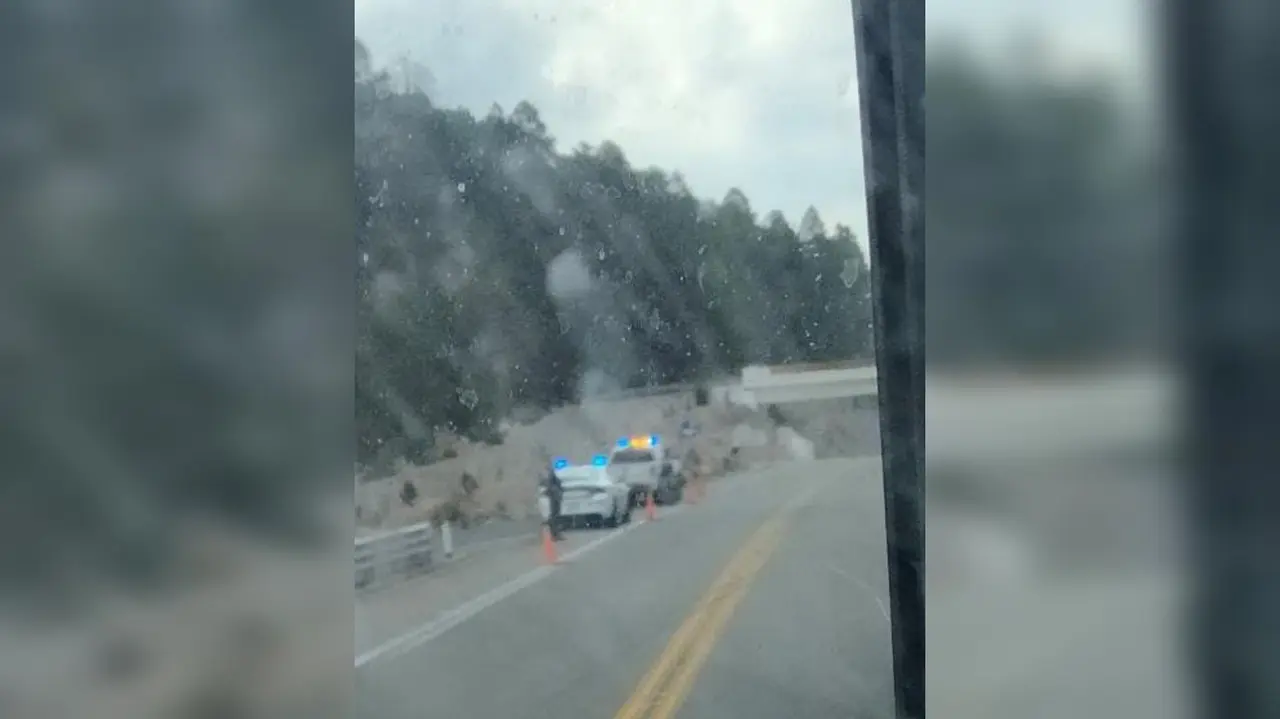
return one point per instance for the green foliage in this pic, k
(495, 272)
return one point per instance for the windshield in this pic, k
(631, 456)
(582, 234)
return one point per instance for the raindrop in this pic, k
(468, 398)
(600, 255)
(462, 187)
(850, 274)
(562, 232)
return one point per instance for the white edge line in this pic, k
(452, 618)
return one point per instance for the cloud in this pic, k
(757, 94)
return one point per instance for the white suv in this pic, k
(642, 463)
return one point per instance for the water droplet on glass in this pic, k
(462, 187)
(850, 274)
(468, 398)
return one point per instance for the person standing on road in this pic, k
(555, 493)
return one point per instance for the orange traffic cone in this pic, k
(650, 511)
(548, 547)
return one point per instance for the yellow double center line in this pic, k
(666, 685)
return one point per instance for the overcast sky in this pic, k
(758, 94)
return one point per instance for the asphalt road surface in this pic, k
(489, 534)
(766, 599)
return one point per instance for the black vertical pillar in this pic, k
(1223, 60)
(890, 41)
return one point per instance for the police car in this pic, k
(591, 494)
(642, 463)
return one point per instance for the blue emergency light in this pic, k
(623, 443)
(560, 463)
(599, 460)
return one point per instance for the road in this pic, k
(766, 599)
(494, 533)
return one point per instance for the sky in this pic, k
(755, 94)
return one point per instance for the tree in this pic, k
(469, 229)
(811, 226)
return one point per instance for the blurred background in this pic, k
(1054, 531)
(176, 323)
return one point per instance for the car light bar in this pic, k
(638, 442)
(560, 463)
(599, 460)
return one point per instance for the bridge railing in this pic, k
(390, 556)
(769, 385)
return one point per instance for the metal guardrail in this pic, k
(391, 555)
(660, 390)
(640, 392)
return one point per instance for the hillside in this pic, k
(498, 273)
